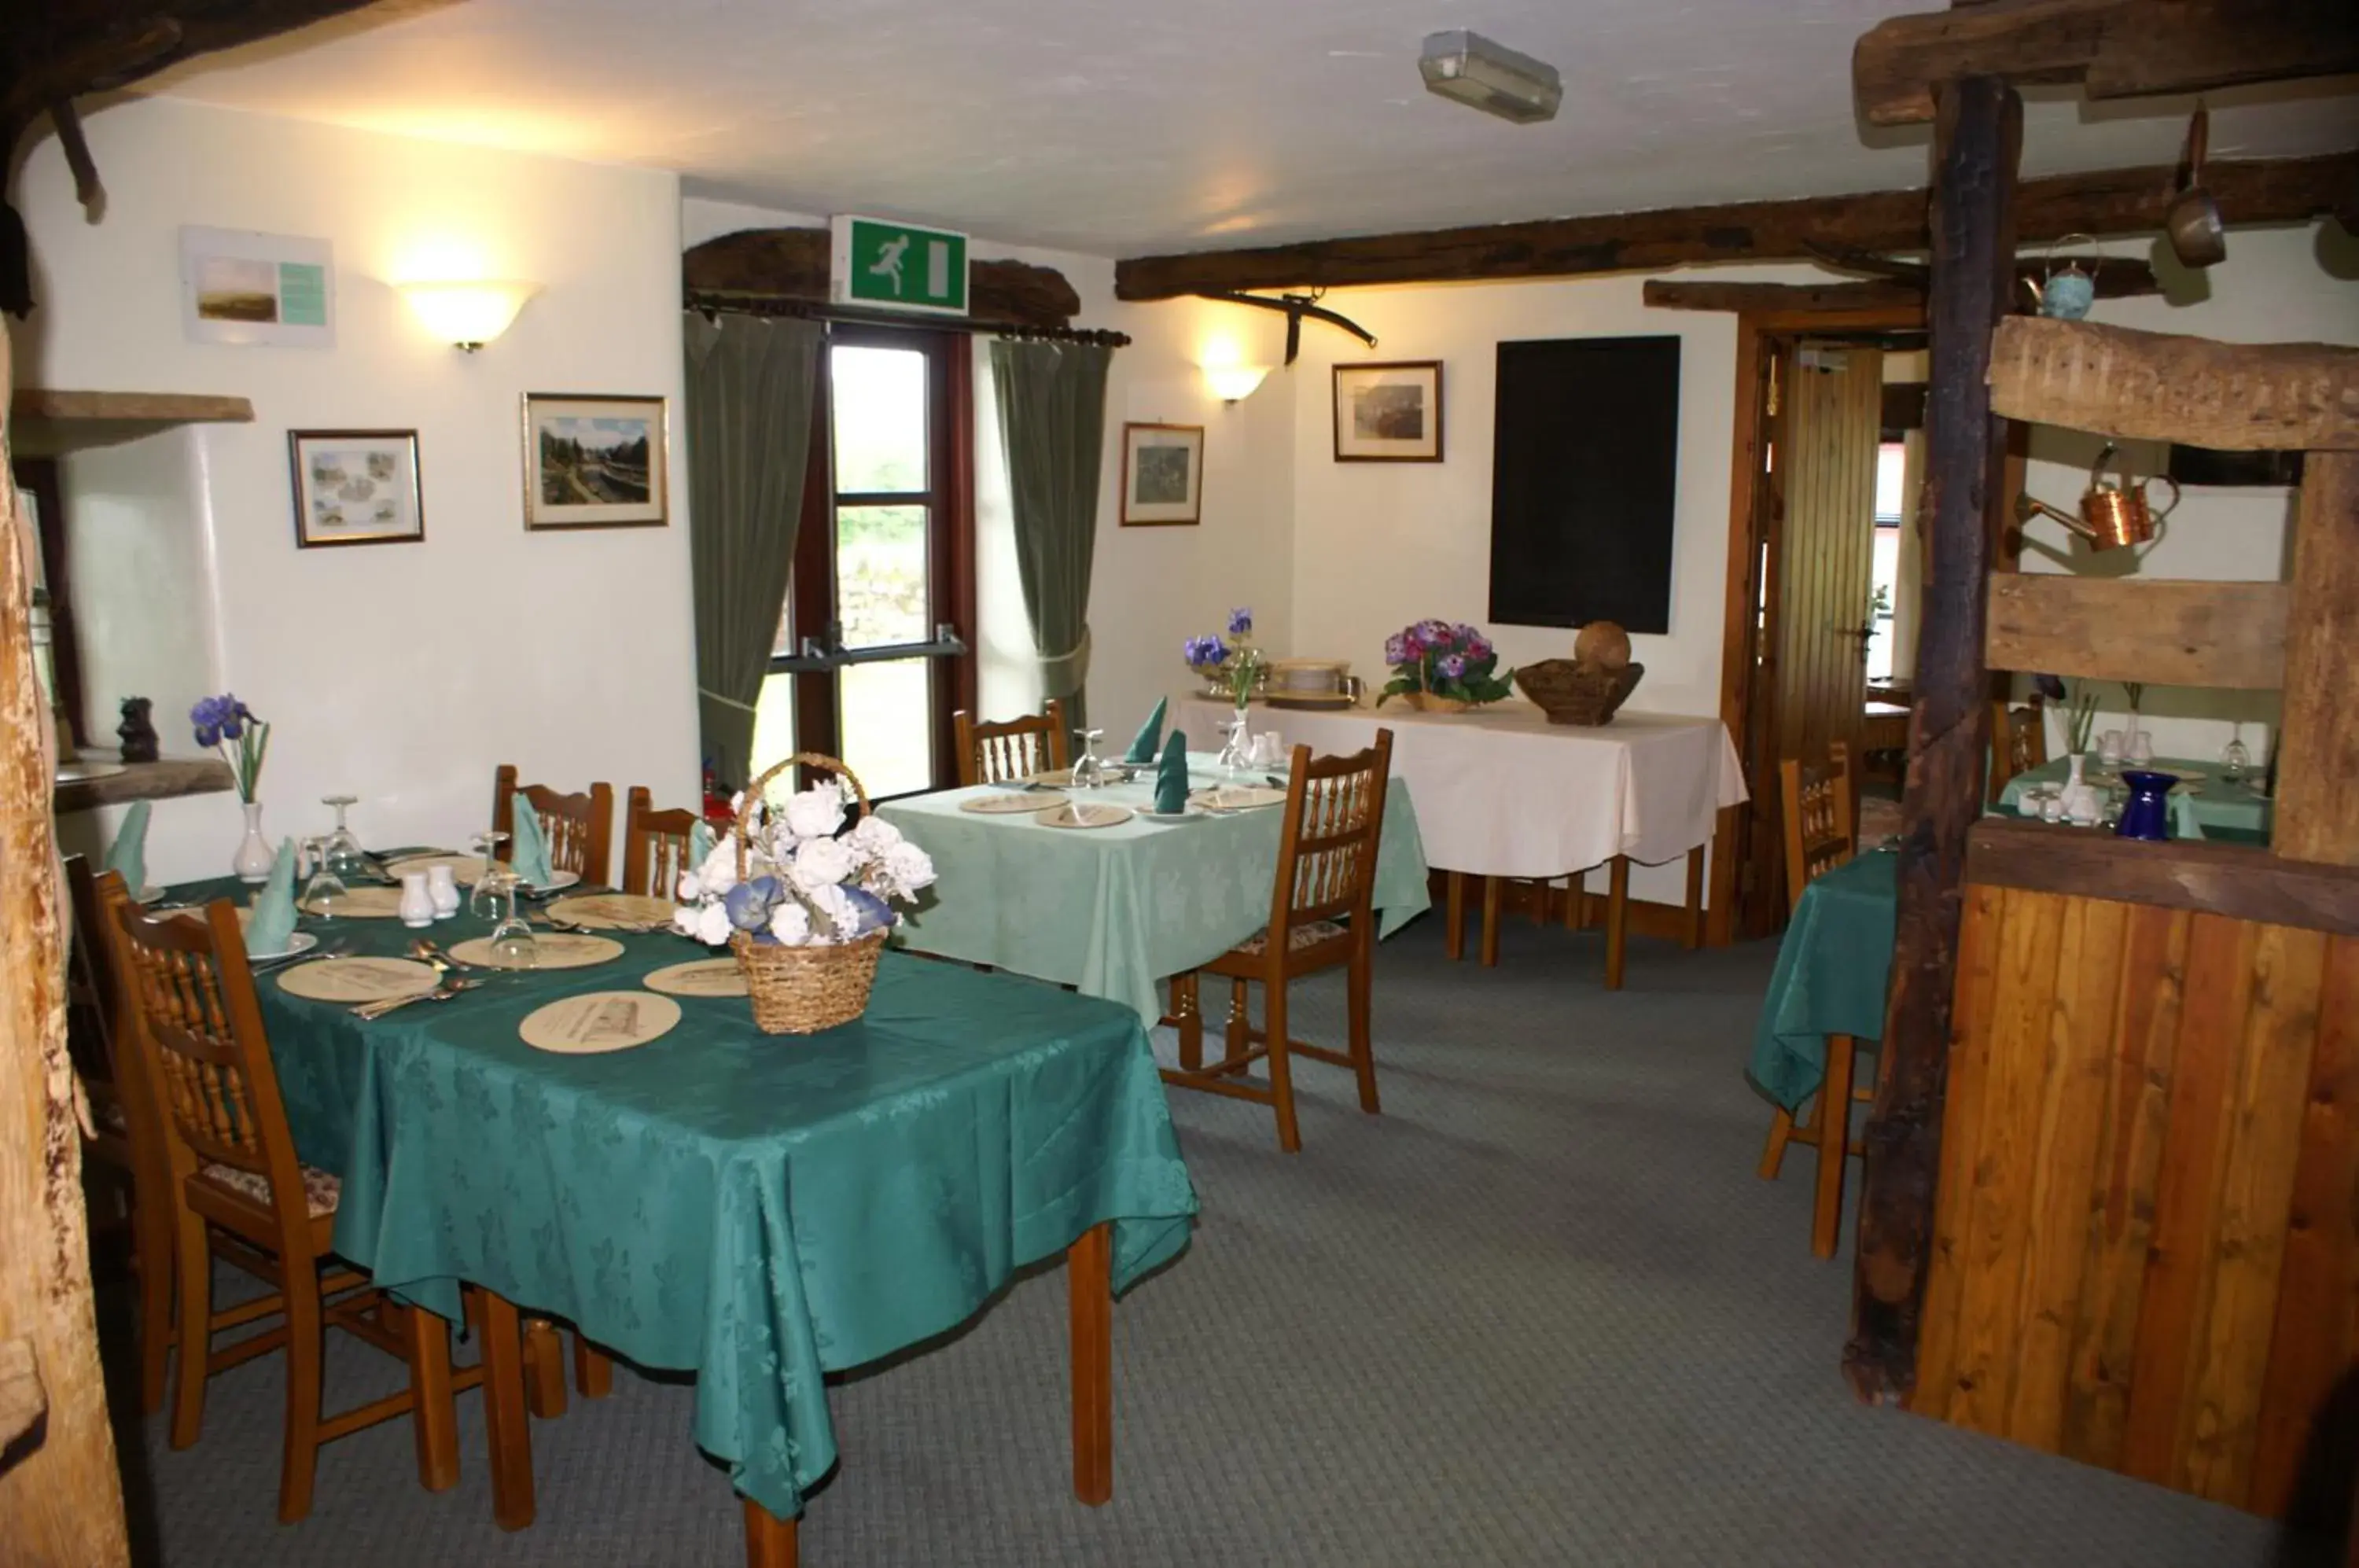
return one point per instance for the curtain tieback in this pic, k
(1073, 664)
(726, 701)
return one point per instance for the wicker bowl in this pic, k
(1573, 693)
(802, 990)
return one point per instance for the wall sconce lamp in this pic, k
(1233, 383)
(468, 315)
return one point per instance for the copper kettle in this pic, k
(2113, 512)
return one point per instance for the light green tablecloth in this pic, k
(758, 1210)
(2228, 811)
(1832, 969)
(1112, 911)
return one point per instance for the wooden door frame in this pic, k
(1755, 333)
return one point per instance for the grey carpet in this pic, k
(1541, 1312)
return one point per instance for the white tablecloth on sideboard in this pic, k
(1500, 791)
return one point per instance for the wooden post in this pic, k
(60, 1496)
(2317, 762)
(1977, 136)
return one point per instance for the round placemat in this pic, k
(550, 950)
(357, 979)
(1238, 797)
(611, 911)
(1084, 816)
(365, 904)
(599, 1021)
(1013, 802)
(465, 869)
(699, 977)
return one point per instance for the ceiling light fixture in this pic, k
(468, 315)
(1490, 77)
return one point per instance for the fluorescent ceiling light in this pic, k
(1490, 77)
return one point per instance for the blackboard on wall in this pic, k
(1584, 467)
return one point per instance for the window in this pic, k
(1891, 482)
(862, 669)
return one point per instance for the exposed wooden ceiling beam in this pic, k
(2110, 201)
(2114, 49)
(792, 263)
(2116, 277)
(2136, 385)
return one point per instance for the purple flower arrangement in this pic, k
(1235, 663)
(225, 724)
(1453, 661)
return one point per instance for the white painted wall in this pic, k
(402, 674)
(2292, 284)
(1150, 587)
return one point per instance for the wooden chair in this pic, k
(2018, 743)
(580, 828)
(1013, 748)
(1819, 836)
(127, 1139)
(655, 844)
(241, 1194)
(1326, 873)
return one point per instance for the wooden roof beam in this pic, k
(2135, 385)
(2112, 49)
(2116, 277)
(2107, 201)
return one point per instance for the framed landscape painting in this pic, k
(1162, 474)
(356, 487)
(1388, 413)
(593, 462)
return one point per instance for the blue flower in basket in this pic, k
(749, 903)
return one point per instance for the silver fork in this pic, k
(450, 986)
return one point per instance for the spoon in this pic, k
(450, 987)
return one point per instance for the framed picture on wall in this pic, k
(239, 286)
(1162, 474)
(595, 461)
(356, 487)
(1388, 413)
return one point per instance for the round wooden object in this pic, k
(1602, 644)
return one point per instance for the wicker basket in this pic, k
(1573, 693)
(802, 990)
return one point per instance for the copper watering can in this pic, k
(2113, 512)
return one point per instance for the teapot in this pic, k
(2068, 291)
(2112, 513)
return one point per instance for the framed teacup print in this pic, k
(1162, 474)
(1388, 413)
(356, 487)
(595, 462)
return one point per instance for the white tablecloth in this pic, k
(1500, 791)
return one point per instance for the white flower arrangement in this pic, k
(804, 884)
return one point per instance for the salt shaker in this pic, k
(442, 890)
(417, 903)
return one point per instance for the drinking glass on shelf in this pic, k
(512, 944)
(1088, 771)
(345, 856)
(483, 902)
(325, 894)
(2235, 760)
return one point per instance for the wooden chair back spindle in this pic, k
(580, 828)
(1326, 844)
(1820, 832)
(1003, 751)
(655, 844)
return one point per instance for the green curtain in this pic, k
(1052, 398)
(751, 382)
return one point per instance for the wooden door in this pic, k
(1833, 422)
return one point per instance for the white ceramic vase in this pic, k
(417, 905)
(254, 856)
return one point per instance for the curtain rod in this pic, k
(713, 303)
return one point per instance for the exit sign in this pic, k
(898, 267)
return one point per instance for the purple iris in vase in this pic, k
(221, 718)
(1240, 621)
(1201, 652)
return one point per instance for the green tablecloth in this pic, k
(1112, 911)
(1832, 969)
(756, 1209)
(2217, 810)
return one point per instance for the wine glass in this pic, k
(1088, 773)
(1232, 755)
(483, 901)
(344, 854)
(324, 894)
(2235, 760)
(512, 943)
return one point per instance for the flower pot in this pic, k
(1435, 703)
(254, 857)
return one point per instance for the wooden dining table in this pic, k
(760, 1211)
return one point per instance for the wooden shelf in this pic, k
(44, 423)
(157, 780)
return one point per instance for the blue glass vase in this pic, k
(2147, 814)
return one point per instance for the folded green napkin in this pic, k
(271, 926)
(528, 850)
(1171, 776)
(700, 845)
(129, 853)
(1150, 735)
